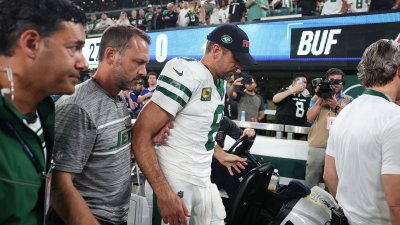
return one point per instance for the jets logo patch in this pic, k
(226, 39)
(206, 94)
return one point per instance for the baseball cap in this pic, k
(235, 39)
(149, 6)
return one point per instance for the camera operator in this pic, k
(324, 107)
(292, 102)
(249, 102)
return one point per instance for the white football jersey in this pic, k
(187, 91)
(332, 7)
(359, 5)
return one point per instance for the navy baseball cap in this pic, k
(235, 39)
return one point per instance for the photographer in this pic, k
(324, 107)
(243, 91)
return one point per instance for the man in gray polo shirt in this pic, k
(92, 183)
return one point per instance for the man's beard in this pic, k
(226, 76)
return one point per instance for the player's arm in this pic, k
(68, 202)
(150, 121)
(330, 175)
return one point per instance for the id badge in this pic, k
(329, 122)
(47, 188)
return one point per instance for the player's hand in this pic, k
(162, 136)
(249, 132)
(230, 160)
(172, 209)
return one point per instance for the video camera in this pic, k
(326, 87)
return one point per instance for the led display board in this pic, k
(286, 44)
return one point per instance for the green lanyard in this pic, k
(376, 93)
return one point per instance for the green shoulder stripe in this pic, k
(220, 84)
(176, 84)
(171, 95)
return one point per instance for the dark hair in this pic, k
(296, 75)
(333, 71)
(151, 74)
(119, 37)
(379, 63)
(44, 16)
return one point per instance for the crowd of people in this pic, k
(69, 162)
(209, 12)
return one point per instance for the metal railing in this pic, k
(290, 130)
(278, 128)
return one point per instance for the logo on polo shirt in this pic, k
(123, 138)
(226, 39)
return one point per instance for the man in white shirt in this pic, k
(104, 22)
(183, 19)
(332, 7)
(191, 93)
(355, 6)
(362, 163)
